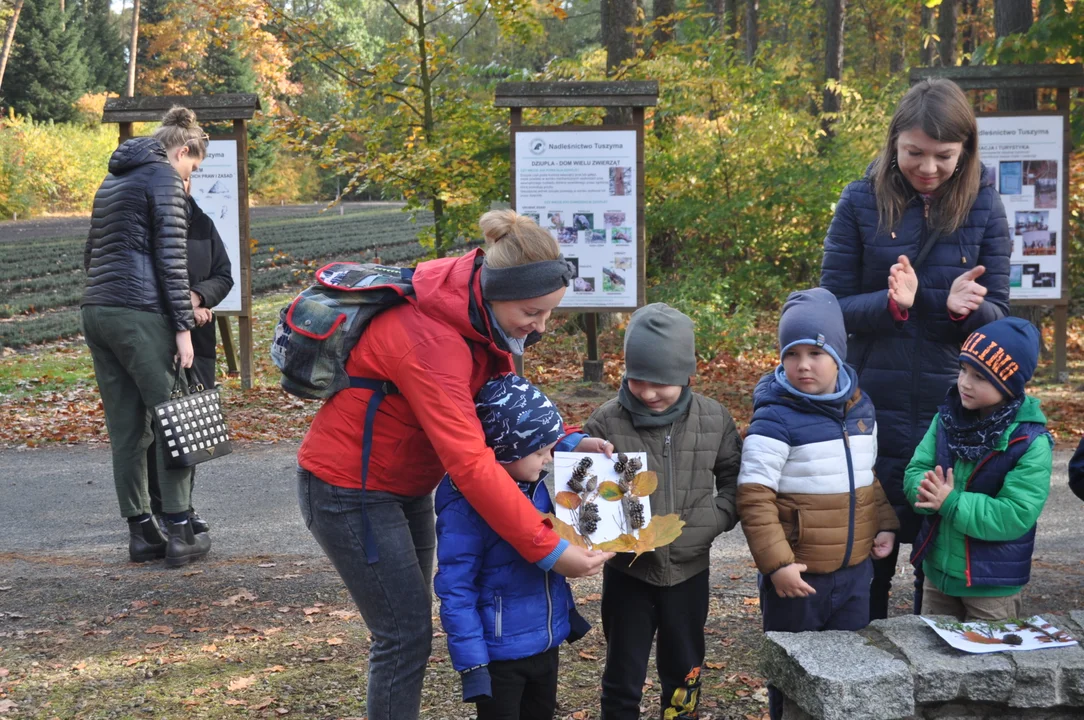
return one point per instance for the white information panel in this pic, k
(1027, 153)
(214, 188)
(581, 186)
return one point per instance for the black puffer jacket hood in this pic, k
(135, 256)
(135, 153)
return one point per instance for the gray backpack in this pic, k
(317, 331)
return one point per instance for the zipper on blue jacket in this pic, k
(498, 621)
(850, 477)
(549, 612)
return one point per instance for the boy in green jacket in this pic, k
(981, 477)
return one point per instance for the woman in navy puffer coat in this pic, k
(918, 255)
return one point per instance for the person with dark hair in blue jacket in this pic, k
(505, 617)
(918, 256)
(1076, 471)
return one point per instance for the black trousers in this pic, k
(883, 571)
(523, 689)
(632, 612)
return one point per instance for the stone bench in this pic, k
(899, 668)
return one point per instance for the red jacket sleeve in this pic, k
(434, 377)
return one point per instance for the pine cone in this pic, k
(584, 464)
(636, 514)
(629, 474)
(1012, 639)
(592, 483)
(623, 485)
(622, 461)
(635, 465)
(589, 518)
(575, 484)
(588, 525)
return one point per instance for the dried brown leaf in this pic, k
(243, 683)
(567, 532)
(567, 499)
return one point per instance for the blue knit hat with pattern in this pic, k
(517, 417)
(1006, 352)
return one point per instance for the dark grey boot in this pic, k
(145, 542)
(184, 545)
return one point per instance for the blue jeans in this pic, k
(393, 594)
(841, 603)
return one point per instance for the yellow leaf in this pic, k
(662, 530)
(569, 500)
(622, 543)
(334, 641)
(610, 491)
(567, 532)
(644, 484)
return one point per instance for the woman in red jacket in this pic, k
(468, 316)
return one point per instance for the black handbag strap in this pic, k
(180, 389)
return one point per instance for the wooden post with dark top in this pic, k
(633, 94)
(1061, 77)
(237, 109)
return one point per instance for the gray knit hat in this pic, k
(813, 317)
(660, 346)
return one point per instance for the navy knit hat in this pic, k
(813, 317)
(1006, 352)
(517, 417)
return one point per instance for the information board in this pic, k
(1027, 153)
(214, 188)
(582, 186)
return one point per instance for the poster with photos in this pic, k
(214, 188)
(1027, 153)
(581, 186)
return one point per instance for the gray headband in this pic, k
(526, 281)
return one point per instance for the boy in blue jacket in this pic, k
(505, 618)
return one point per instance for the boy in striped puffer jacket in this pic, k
(810, 506)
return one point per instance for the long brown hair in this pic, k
(939, 108)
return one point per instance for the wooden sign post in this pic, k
(229, 194)
(585, 184)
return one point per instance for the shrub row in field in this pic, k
(42, 286)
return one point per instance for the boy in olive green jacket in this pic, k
(981, 476)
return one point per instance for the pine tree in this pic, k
(48, 71)
(104, 48)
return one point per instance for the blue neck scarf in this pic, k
(843, 386)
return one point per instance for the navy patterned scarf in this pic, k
(969, 437)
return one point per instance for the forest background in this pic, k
(767, 109)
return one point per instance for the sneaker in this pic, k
(199, 525)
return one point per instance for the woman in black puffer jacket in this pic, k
(210, 276)
(137, 320)
(918, 255)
